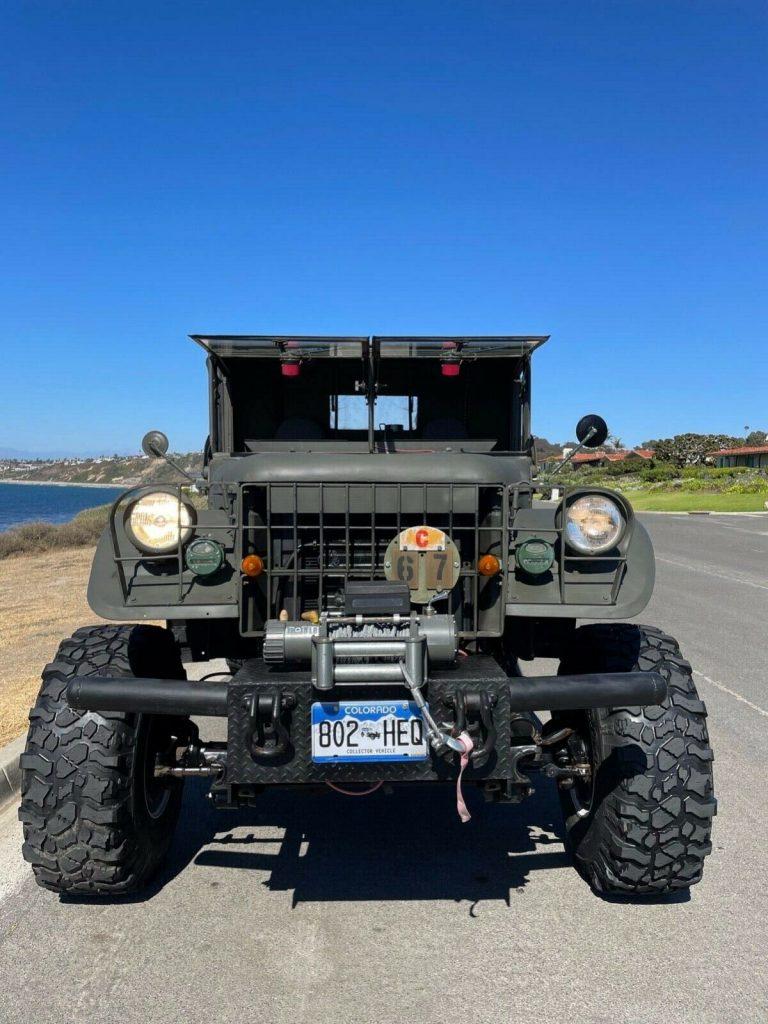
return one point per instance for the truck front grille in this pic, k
(315, 536)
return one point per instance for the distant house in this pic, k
(595, 459)
(753, 456)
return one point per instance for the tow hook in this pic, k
(472, 714)
(267, 735)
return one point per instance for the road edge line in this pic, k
(731, 693)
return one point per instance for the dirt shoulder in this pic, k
(42, 601)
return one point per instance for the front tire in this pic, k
(96, 821)
(641, 826)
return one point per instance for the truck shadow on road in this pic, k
(406, 846)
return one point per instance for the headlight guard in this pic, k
(156, 519)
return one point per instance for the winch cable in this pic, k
(463, 745)
(437, 738)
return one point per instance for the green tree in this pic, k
(691, 449)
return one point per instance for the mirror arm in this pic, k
(172, 464)
(590, 434)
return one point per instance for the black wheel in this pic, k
(96, 820)
(641, 825)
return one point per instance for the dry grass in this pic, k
(84, 529)
(42, 601)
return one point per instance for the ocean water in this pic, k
(25, 503)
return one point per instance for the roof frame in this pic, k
(358, 347)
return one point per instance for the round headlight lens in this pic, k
(155, 520)
(593, 524)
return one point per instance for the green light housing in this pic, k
(534, 556)
(204, 557)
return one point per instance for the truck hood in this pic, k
(305, 467)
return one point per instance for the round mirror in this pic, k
(592, 431)
(154, 444)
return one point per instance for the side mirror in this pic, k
(154, 444)
(591, 431)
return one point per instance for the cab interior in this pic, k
(416, 406)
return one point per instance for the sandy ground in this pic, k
(42, 600)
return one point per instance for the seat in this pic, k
(299, 428)
(446, 429)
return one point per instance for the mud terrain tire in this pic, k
(95, 821)
(642, 828)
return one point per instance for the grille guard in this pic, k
(479, 517)
(341, 531)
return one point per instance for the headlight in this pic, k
(154, 521)
(593, 524)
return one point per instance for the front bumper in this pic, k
(527, 693)
(474, 694)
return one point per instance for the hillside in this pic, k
(547, 449)
(117, 470)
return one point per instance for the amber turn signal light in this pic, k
(488, 565)
(252, 565)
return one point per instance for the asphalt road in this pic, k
(387, 909)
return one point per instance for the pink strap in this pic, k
(461, 807)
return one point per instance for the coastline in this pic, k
(123, 485)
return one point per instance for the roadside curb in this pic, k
(10, 772)
(659, 512)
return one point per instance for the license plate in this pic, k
(365, 730)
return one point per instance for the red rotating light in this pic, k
(290, 367)
(422, 538)
(450, 369)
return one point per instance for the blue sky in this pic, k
(596, 171)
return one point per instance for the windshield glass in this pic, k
(391, 412)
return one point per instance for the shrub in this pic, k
(620, 468)
(29, 538)
(757, 485)
(662, 471)
(713, 472)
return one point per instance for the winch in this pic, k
(365, 643)
(376, 638)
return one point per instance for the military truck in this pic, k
(378, 563)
